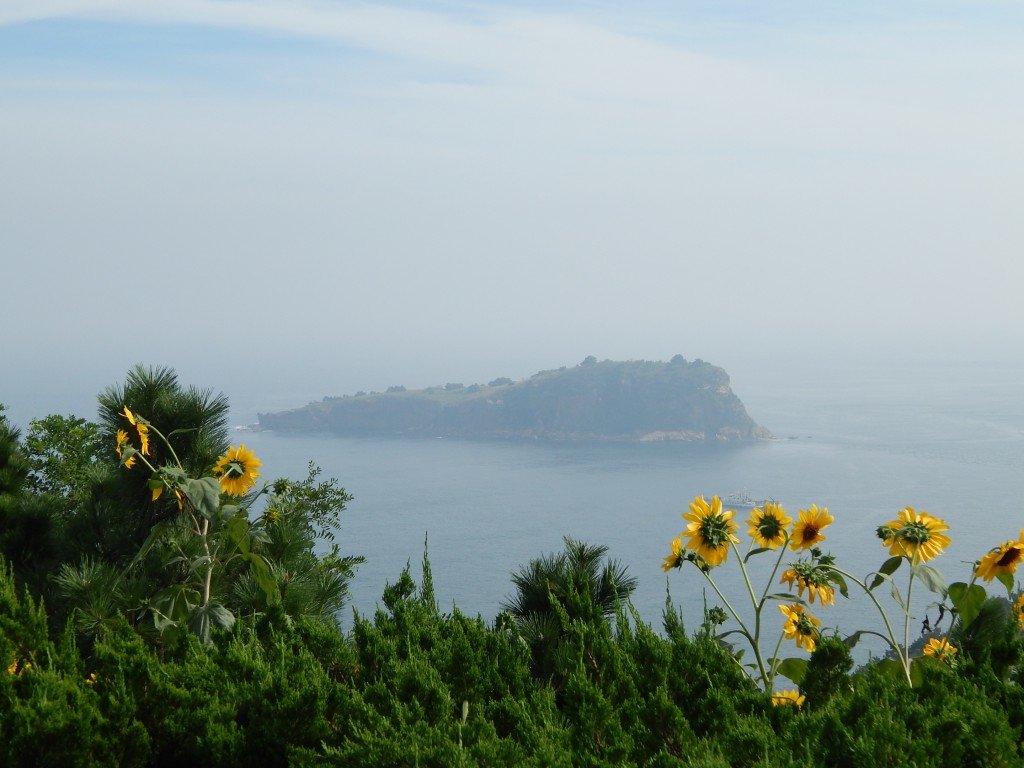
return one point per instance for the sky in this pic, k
(285, 199)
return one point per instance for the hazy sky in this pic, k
(285, 198)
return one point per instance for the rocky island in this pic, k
(607, 400)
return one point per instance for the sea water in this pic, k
(948, 440)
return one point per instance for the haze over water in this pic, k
(287, 200)
(865, 444)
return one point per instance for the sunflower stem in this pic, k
(756, 640)
(771, 579)
(167, 443)
(209, 563)
(956, 616)
(893, 643)
(906, 619)
(743, 627)
(775, 661)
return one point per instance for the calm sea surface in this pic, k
(949, 442)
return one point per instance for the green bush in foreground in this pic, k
(568, 675)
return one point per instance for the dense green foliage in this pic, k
(566, 675)
(594, 400)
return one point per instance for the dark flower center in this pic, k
(769, 527)
(1010, 556)
(810, 534)
(915, 533)
(714, 531)
(804, 626)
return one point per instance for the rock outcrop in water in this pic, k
(608, 400)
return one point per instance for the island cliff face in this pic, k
(635, 401)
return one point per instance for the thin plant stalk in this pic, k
(891, 639)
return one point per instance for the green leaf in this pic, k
(199, 623)
(155, 534)
(229, 511)
(794, 669)
(238, 531)
(173, 604)
(786, 597)
(260, 571)
(203, 618)
(753, 552)
(204, 495)
(126, 453)
(840, 582)
(724, 635)
(967, 602)
(853, 639)
(898, 597)
(888, 569)
(1006, 580)
(220, 616)
(932, 579)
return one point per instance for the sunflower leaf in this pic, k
(898, 597)
(840, 582)
(851, 641)
(264, 577)
(931, 577)
(888, 569)
(202, 618)
(204, 495)
(753, 552)
(238, 531)
(786, 597)
(155, 533)
(730, 632)
(1006, 580)
(967, 601)
(794, 669)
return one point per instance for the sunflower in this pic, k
(710, 530)
(143, 438)
(808, 531)
(1018, 611)
(807, 576)
(158, 491)
(18, 667)
(675, 559)
(122, 443)
(940, 649)
(768, 525)
(140, 426)
(787, 698)
(800, 626)
(236, 470)
(1002, 559)
(915, 535)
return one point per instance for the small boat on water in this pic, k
(743, 500)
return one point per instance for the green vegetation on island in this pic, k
(162, 604)
(607, 400)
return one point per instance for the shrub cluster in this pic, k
(211, 638)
